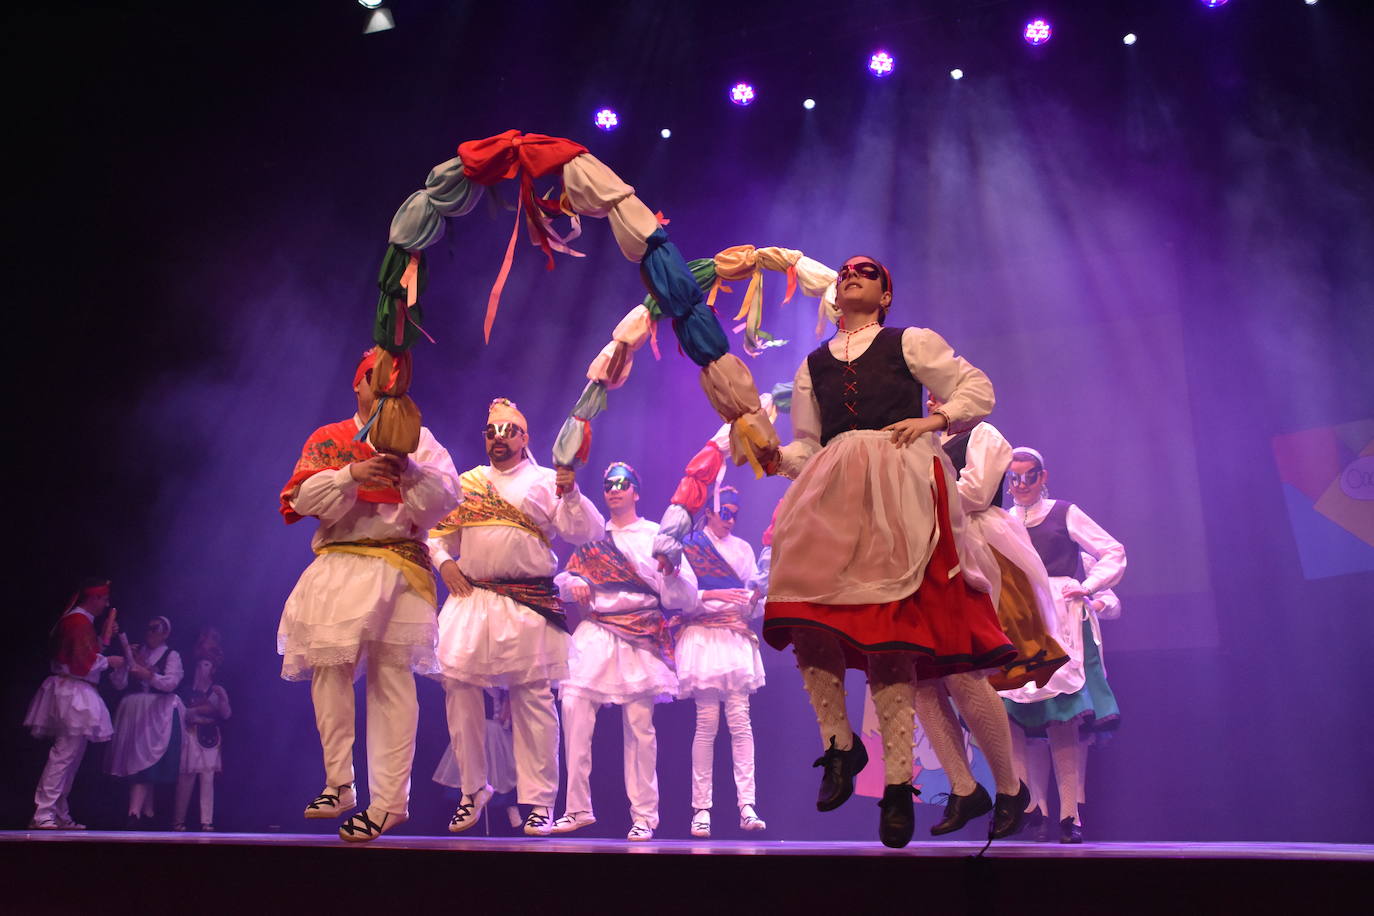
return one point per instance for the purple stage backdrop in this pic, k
(1161, 254)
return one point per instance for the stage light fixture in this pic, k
(881, 64)
(808, 104)
(956, 74)
(665, 133)
(1038, 31)
(1213, 4)
(381, 20)
(606, 119)
(1310, 2)
(1129, 38)
(742, 94)
(369, 4)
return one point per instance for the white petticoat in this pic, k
(858, 524)
(142, 732)
(500, 761)
(68, 706)
(346, 606)
(488, 640)
(716, 658)
(607, 669)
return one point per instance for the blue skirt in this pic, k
(1093, 707)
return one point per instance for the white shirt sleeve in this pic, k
(171, 674)
(965, 389)
(679, 592)
(806, 424)
(429, 483)
(443, 549)
(1106, 550)
(564, 582)
(327, 495)
(572, 517)
(985, 462)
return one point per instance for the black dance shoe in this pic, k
(1036, 826)
(961, 809)
(837, 779)
(897, 821)
(1008, 813)
(1069, 832)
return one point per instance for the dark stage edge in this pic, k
(52, 871)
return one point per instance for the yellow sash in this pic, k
(482, 505)
(410, 557)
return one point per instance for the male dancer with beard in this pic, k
(622, 653)
(502, 625)
(867, 567)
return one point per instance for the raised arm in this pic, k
(964, 388)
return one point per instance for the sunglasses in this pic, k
(617, 484)
(727, 513)
(502, 430)
(866, 269)
(1028, 479)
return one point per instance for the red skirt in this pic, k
(947, 624)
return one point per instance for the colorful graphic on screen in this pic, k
(1328, 486)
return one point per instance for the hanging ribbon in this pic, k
(376, 412)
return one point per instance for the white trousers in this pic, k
(55, 785)
(704, 745)
(641, 755)
(393, 711)
(534, 726)
(185, 783)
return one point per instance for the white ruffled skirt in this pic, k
(488, 640)
(716, 658)
(68, 706)
(347, 606)
(607, 669)
(142, 731)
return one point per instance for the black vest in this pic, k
(873, 391)
(957, 450)
(1061, 554)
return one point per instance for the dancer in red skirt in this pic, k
(866, 569)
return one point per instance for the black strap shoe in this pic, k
(961, 809)
(1069, 832)
(1008, 813)
(897, 821)
(837, 779)
(1036, 826)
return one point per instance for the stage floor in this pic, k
(571, 845)
(297, 873)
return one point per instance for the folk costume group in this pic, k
(890, 553)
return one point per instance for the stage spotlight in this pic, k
(369, 4)
(607, 119)
(381, 20)
(1038, 31)
(808, 104)
(1310, 2)
(956, 74)
(1213, 4)
(881, 63)
(742, 94)
(665, 133)
(1129, 39)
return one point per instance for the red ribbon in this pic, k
(530, 156)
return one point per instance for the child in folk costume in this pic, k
(622, 653)
(718, 660)
(366, 602)
(1020, 590)
(868, 570)
(207, 705)
(1077, 702)
(147, 729)
(67, 708)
